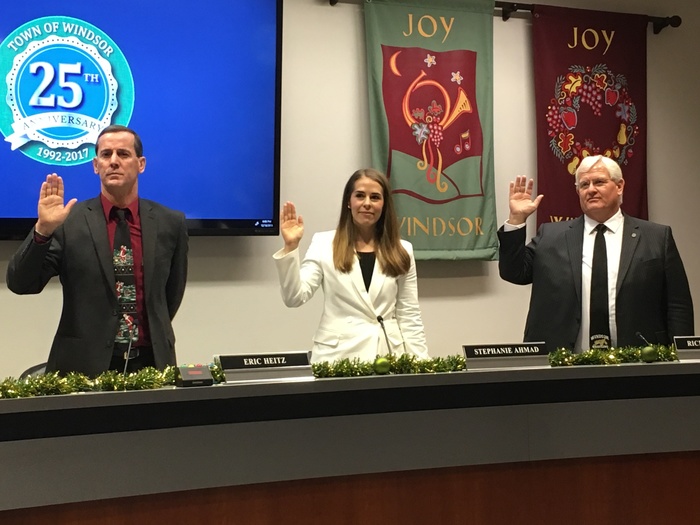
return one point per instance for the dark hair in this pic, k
(114, 128)
(391, 255)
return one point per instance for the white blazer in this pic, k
(349, 327)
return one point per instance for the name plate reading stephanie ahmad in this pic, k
(277, 367)
(506, 355)
(687, 346)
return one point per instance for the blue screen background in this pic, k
(205, 104)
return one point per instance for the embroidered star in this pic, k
(430, 60)
(457, 77)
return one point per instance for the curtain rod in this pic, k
(508, 8)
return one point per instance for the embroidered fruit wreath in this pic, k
(596, 87)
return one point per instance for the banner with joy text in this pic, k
(590, 98)
(430, 69)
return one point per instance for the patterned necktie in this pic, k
(123, 259)
(600, 315)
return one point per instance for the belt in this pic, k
(133, 353)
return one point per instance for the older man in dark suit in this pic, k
(119, 295)
(648, 291)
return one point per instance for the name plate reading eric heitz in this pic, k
(506, 355)
(687, 346)
(278, 367)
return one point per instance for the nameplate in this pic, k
(687, 346)
(506, 355)
(287, 366)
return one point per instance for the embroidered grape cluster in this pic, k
(554, 121)
(435, 128)
(591, 95)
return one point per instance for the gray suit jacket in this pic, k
(653, 295)
(79, 253)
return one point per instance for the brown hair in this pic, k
(115, 128)
(392, 257)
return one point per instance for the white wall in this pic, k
(232, 303)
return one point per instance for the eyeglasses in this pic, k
(598, 183)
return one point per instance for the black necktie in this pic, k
(123, 259)
(600, 316)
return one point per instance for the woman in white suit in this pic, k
(368, 276)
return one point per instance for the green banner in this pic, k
(430, 70)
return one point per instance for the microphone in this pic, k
(131, 325)
(639, 334)
(381, 323)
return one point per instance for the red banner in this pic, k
(590, 98)
(421, 112)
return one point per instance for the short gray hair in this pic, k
(589, 162)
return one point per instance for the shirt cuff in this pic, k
(41, 239)
(508, 227)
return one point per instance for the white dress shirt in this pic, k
(613, 246)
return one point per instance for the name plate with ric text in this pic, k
(687, 346)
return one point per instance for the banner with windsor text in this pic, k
(590, 98)
(430, 69)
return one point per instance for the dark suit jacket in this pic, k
(79, 253)
(653, 295)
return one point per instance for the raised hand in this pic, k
(52, 211)
(292, 227)
(520, 200)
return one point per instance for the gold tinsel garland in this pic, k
(150, 378)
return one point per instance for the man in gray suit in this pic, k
(648, 291)
(98, 330)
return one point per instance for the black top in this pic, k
(367, 260)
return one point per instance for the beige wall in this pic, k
(232, 303)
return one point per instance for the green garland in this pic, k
(614, 356)
(404, 364)
(73, 382)
(150, 378)
(110, 381)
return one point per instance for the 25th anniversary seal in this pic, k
(64, 81)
